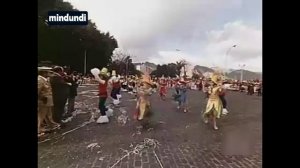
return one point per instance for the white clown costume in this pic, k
(116, 86)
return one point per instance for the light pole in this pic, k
(184, 66)
(84, 61)
(226, 55)
(242, 68)
(127, 61)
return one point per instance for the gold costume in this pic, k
(143, 103)
(44, 108)
(214, 105)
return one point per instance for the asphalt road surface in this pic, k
(173, 139)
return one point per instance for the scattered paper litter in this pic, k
(150, 129)
(67, 120)
(137, 150)
(122, 119)
(92, 146)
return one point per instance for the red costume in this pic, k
(103, 89)
(116, 85)
(163, 88)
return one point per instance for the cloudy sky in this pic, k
(202, 30)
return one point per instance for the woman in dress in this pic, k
(143, 106)
(214, 105)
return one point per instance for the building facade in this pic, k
(144, 68)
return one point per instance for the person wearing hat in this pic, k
(200, 84)
(223, 100)
(45, 101)
(118, 86)
(71, 78)
(123, 84)
(143, 103)
(163, 88)
(60, 91)
(182, 92)
(102, 77)
(214, 105)
(114, 81)
(177, 85)
(176, 94)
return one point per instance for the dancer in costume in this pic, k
(143, 106)
(45, 101)
(182, 98)
(214, 105)
(176, 86)
(163, 88)
(102, 78)
(223, 100)
(137, 83)
(116, 86)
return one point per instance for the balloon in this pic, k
(95, 71)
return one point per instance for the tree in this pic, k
(172, 71)
(195, 76)
(165, 70)
(67, 45)
(179, 65)
(121, 62)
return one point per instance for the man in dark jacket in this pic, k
(60, 92)
(73, 91)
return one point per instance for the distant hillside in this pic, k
(203, 69)
(247, 75)
(152, 65)
(233, 74)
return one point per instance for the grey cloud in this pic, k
(147, 27)
(244, 55)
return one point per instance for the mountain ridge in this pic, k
(231, 73)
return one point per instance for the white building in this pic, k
(144, 68)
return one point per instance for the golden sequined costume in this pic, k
(45, 102)
(143, 101)
(214, 104)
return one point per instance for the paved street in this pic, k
(173, 139)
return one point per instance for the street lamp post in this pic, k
(127, 68)
(242, 68)
(127, 61)
(85, 61)
(226, 55)
(184, 66)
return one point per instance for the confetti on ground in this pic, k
(137, 150)
(92, 146)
